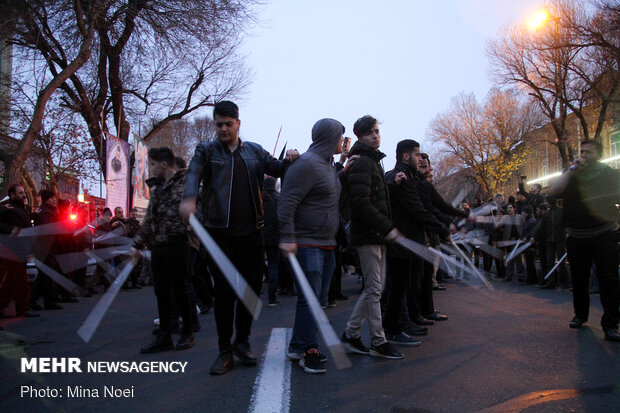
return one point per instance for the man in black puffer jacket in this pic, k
(371, 227)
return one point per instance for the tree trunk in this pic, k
(18, 159)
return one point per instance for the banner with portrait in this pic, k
(140, 173)
(117, 173)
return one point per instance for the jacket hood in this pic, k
(325, 136)
(360, 148)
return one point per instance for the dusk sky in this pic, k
(400, 61)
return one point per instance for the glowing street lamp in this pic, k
(537, 20)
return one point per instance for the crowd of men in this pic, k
(326, 210)
(60, 231)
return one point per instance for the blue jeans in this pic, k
(318, 265)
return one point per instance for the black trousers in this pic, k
(247, 255)
(414, 292)
(603, 251)
(530, 265)
(400, 273)
(426, 289)
(335, 288)
(169, 264)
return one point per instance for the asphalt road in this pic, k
(508, 350)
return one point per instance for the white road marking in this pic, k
(272, 388)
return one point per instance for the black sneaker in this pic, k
(386, 351)
(244, 353)
(576, 322)
(311, 362)
(274, 303)
(415, 330)
(160, 343)
(185, 341)
(332, 304)
(293, 353)
(403, 339)
(353, 344)
(612, 334)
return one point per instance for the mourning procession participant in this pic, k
(412, 218)
(534, 197)
(43, 285)
(165, 234)
(118, 219)
(309, 221)
(590, 191)
(371, 228)
(551, 231)
(445, 213)
(529, 229)
(232, 173)
(13, 277)
(271, 237)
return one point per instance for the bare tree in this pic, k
(183, 135)
(568, 66)
(65, 145)
(596, 70)
(30, 21)
(487, 139)
(153, 62)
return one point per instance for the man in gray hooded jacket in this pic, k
(309, 219)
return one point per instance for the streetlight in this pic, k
(538, 19)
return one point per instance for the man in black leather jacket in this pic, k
(232, 173)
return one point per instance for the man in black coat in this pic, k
(43, 286)
(13, 276)
(412, 218)
(591, 191)
(371, 228)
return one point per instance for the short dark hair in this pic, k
(596, 144)
(46, 194)
(180, 163)
(528, 210)
(363, 126)
(163, 154)
(134, 209)
(13, 189)
(425, 156)
(405, 146)
(106, 211)
(539, 186)
(226, 108)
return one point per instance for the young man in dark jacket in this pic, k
(165, 233)
(591, 191)
(232, 173)
(371, 227)
(413, 219)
